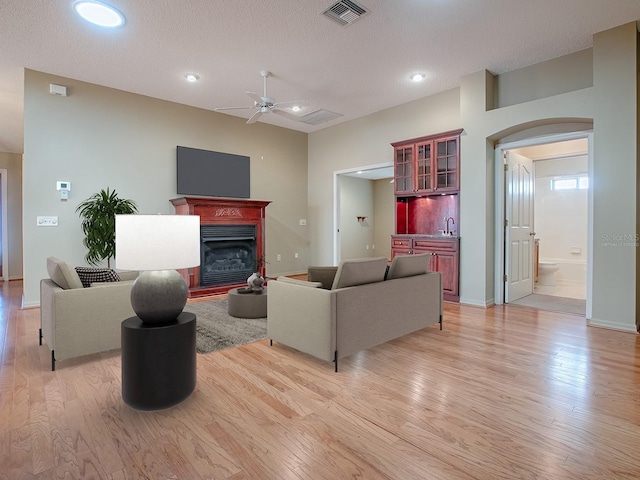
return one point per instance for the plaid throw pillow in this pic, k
(89, 275)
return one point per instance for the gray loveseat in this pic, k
(75, 320)
(359, 311)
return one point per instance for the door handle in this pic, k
(532, 234)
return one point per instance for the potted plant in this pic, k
(98, 214)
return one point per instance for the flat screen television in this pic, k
(213, 174)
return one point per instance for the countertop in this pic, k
(425, 235)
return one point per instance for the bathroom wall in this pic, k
(560, 217)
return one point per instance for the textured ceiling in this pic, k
(354, 70)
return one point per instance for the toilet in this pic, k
(546, 271)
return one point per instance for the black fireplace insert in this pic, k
(227, 254)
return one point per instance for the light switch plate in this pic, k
(42, 221)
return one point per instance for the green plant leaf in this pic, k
(98, 214)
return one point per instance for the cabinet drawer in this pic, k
(429, 243)
(401, 242)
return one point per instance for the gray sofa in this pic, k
(75, 320)
(359, 311)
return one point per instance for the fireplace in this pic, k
(227, 253)
(232, 240)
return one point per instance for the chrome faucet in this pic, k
(448, 232)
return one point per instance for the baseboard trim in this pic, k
(623, 327)
(25, 305)
(476, 303)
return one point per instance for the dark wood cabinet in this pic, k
(427, 183)
(444, 258)
(427, 165)
(400, 246)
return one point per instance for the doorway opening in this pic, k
(544, 217)
(356, 232)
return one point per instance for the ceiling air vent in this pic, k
(345, 12)
(319, 116)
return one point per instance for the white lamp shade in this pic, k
(157, 242)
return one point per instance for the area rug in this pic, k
(216, 329)
(552, 303)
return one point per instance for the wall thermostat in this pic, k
(64, 188)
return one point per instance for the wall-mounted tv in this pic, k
(213, 174)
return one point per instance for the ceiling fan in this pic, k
(265, 104)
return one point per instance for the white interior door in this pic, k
(519, 234)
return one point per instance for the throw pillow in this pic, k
(62, 274)
(408, 265)
(324, 275)
(360, 271)
(89, 275)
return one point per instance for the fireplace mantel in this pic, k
(221, 211)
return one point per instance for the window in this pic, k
(570, 183)
(583, 183)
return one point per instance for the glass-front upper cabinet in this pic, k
(404, 170)
(427, 165)
(447, 164)
(424, 170)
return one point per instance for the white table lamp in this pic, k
(157, 245)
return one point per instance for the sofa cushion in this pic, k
(63, 274)
(359, 271)
(324, 275)
(89, 275)
(302, 283)
(408, 265)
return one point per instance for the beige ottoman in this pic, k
(247, 305)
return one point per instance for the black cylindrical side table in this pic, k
(158, 362)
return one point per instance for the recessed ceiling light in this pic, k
(296, 108)
(359, 172)
(99, 13)
(417, 77)
(192, 77)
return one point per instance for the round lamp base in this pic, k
(158, 296)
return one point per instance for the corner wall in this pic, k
(100, 137)
(615, 173)
(384, 202)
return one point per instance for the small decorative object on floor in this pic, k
(256, 282)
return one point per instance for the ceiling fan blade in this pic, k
(288, 115)
(254, 118)
(234, 108)
(296, 102)
(255, 97)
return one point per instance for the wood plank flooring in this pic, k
(500, 393)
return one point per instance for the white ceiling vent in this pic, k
(345, 12)
(319, 116)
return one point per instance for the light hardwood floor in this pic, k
(506, 392)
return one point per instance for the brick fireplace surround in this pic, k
(226, 213)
